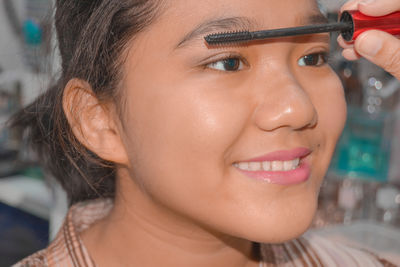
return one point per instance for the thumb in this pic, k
(381, 49)
(378, 8)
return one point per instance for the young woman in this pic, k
(175, 153)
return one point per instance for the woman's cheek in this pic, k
(327, 94)
(196, 116)
(212, 115)
(331, 108)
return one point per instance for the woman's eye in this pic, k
(227, 64)
(316, 59)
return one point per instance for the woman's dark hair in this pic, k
(92, 37)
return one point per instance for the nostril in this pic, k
(286, 105)
(289, 115)
(314, 121)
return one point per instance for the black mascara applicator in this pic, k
(351, 24)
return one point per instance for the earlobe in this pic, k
(93, 123)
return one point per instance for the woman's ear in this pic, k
(93, 123)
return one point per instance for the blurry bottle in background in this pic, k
(394, 169)
(364, 174)
(388, 204)
(10, 101)
(367, 155)
(365, 146)
(349, 198)
(36, 29)
(30, 21)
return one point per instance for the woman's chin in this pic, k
(281, 229)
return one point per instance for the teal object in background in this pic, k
(33, 33)
(364, 149)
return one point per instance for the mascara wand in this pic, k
(350, 26)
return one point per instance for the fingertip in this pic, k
(369, 43)
(380, 48)
(378, 8)
(350, 54)
(368, 9)
(340, 39)
(350, 5)
(343, 43)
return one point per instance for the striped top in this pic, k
(68, 250)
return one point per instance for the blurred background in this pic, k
(32, 207)
(360, 199)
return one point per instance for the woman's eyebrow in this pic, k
(317, 18)
(224, 24)
(237, 24)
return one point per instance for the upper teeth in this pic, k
(275, 165)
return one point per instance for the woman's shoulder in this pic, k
(58, 253)
(332, 251)
(35, 260)
(309, 250)
(67, 249)
(313, 249)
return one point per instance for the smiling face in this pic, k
(235, 140)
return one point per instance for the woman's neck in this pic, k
(139, 232)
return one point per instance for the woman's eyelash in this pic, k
(314, 59)
(326, 55)
(233, 61)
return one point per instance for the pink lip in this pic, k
(282, 155)
(296, 176)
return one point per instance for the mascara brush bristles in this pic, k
(247, 36)
(228, 37)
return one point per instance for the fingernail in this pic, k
(349, 5)
(369, 44)
(366, 2)
(350, 54)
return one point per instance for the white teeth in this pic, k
(288, 165)
(255, 166)
(296, 163)
(243, 166)
(266, 165)
(275, 165)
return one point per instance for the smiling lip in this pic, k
(297, 175)
(282, 155)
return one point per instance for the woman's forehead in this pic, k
(258, 10)
(193, 19)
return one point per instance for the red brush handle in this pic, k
(361, 23)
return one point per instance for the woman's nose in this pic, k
(285, 104)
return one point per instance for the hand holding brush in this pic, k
(379, 47)
(367, 28)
